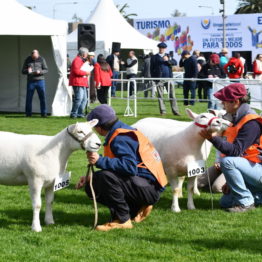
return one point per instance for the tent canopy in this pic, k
(24, 32)
(112, 27)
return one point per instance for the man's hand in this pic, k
(165, 58)
(81, 182)
(205, 134)
(92, 157)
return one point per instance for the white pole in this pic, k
(135, 98)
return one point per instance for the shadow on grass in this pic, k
(24, 217)
(200, 203)
(251, 246)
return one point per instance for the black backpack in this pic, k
(232, 69)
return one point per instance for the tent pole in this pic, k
(19, 75)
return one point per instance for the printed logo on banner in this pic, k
(259, 20)
(205, 23)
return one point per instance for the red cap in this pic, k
(214, 58)
(231, 92)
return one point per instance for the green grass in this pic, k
(200, 235)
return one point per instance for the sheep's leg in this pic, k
(35, 187)
(180, 185)
(196, 191)
(190, 191)
(49, 198)
(176, 191)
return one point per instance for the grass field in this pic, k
(200, 235)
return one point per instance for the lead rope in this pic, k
(89, 173)
(208, 178)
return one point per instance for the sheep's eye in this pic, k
(203, 117)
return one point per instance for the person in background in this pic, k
(234, 67)
(240, 146)
(257, 67)
(92, 87)
(131, 178)
(102, 74)
(201, 61)
(68, 64)
(78, 79)
(191, 71)
(35, 68)
(149, 84)
(131, 69)
(114, 62)
(211, 70)
(160, 67)
(223, 57)
(172, 59)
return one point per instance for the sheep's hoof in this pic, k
(36, 228)
(51, 222)
(191, 208)
(196, 192)
(175, 209)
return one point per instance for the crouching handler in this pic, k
(131, 178)
(241, 151)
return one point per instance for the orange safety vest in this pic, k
(148, 154)
(253, 151)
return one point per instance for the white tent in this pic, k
(23, 30)
(112, 27)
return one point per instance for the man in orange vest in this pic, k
(241, 148)
(131, 177)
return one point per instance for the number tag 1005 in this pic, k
(196, 168)
(62, 181)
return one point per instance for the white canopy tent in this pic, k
(112, 27)
(22, 31)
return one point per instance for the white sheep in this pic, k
(37, 160)
(179, 143)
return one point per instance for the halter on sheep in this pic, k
(179, 143)
(37, 160)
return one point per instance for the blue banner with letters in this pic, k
(243, 33)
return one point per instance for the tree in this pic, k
(249, 7)
(122, 11)
(177, 13)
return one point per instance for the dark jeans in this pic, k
(189, 86)
(124, 195)
(131, 87)
(102, 94)
(39, 85)
(114, 83)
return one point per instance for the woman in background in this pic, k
(103, 76)
(257, 67)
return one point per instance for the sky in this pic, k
(65, 9)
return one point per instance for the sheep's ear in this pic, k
(75, 128)
(213, 111)
(191, 114)
(93, 122)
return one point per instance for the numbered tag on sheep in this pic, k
(196, 168)
(62, 181)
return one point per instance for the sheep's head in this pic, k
(209, 120)
(83, 133)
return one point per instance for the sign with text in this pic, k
(62, 181)
(196, 168)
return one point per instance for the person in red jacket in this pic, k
(78, 79)
(103, 74)
(257, 67)
(234, 68)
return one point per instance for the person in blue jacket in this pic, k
(126, 188)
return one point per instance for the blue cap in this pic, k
(185, 52)
(162, 45)
(103, 113)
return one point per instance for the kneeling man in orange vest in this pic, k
(131, 178)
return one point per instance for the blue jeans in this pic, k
(79, 101)
(244, 179)
(114, 83)
(189, 86)
(211, 103)
(39, 85)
